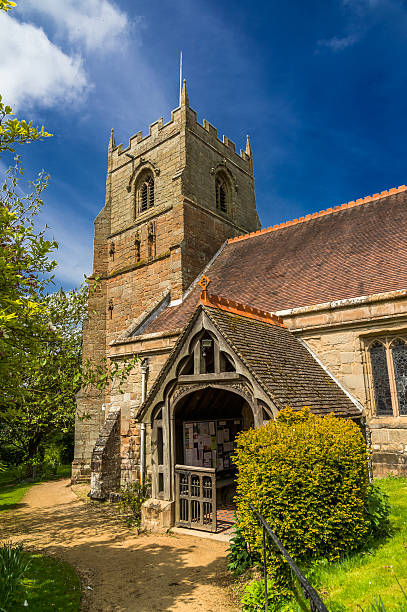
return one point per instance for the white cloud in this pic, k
(339, 44)
(35, 71)
(98, 24)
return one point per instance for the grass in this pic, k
(48, 584)
(12, 492)
(362, 577)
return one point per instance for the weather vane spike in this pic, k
(180, 77)
(204, 282)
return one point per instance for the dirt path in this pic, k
(125, 572)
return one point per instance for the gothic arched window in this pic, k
(399, 354)
(388, 361)
(223, 193)
(144, 192)
(381, 383)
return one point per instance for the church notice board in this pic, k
(210, 443)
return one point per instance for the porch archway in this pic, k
(204, 426)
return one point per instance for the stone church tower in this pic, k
(172, 199)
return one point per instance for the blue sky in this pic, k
(319, 86)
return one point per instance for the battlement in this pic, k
(154, 130)
(225, 142)
(183, 116)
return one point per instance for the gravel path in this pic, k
(124, 572)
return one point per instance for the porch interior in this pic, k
(207, 422)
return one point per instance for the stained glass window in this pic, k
(399, 353)
(381, 381)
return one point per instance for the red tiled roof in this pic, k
(349, 251)
(221, 303)
(282, 365)
(321, 213)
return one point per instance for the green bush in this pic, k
(13, 565)
(307, 475)
(132, 498)
(239, 558)
(253, 599)
(378, 512)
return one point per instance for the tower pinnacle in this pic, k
(112, 142)
(248, 147)
(184, 94)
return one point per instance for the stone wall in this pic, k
(206, 155)
(338, 333)
(106, 461)
(89, 416)
(130, 402)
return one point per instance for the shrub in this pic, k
(253, 599)
(378, 511)
(307, 475)
(133, 496)
(13, 565)
(239, 558)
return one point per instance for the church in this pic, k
(231, 322)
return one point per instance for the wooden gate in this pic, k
(195, 497)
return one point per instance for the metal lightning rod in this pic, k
(180, 77)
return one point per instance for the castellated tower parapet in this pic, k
(173, 197)
(185, 155)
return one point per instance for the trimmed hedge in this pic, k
(307, 475)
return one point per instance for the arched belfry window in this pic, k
(144, 192)
(223, 193)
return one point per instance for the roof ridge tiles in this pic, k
(321, 213)
(222, 303)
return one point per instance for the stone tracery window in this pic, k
(223, 193)
(144, 192)
(388, 363)
(399, 356)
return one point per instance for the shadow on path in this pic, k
(125, 572)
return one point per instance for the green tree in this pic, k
(25, 266)
(7, 5)
(41, 367)
(13, 131)
(41, 401)
(24, 255)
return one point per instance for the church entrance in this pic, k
(205, 424)
(202, 400)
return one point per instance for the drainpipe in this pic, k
(368, 437)
(144, 372)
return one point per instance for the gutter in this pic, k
(355, 301)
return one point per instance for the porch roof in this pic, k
(284, 368)
(282, 365)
